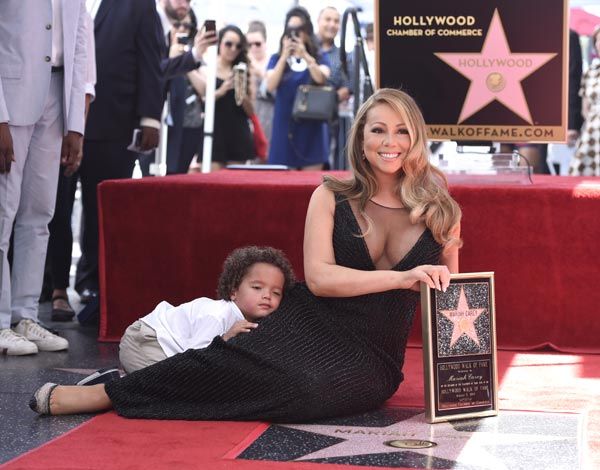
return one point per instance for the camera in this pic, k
(183, 38)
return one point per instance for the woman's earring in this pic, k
(364, 157)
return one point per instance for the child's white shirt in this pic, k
(192, 325)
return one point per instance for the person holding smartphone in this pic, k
(185, 44)
(305, 144)
(185, 122)
(233, 142)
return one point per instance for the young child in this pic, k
(251, 287)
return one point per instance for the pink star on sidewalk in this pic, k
(463, 319)
(495, 73)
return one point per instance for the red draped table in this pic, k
(166, 239)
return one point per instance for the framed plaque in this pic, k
(459, 348)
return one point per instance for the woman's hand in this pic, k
(435, 276)
(288, 49)
(300, 49)
(176, 48)
(225, 87)
(241, 326)
(203, 40)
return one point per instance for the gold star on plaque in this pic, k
(463, 319)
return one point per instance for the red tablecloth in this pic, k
(166, 239)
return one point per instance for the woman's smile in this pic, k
(389, 156)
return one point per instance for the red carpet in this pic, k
(528, 381)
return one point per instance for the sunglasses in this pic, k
(230, 45)
(294, 30)
(255, 44)
(179, 24)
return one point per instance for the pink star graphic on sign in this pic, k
(463, 319)
(495, 73)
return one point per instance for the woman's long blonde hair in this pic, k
(421, 187)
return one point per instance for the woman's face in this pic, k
(386, 140)
(230, 47)
(184, 26)
(257, 45)
(597, 42)
(296, 25)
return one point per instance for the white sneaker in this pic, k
(13, 344)
(44, 340)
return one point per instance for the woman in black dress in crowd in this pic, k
(232, 138)
(336, 344)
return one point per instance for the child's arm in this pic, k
(241, 326)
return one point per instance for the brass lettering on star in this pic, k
(368, 432)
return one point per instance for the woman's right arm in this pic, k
(274, 75)
(325, 278)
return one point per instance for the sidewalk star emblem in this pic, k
(466, 448)
(495, 72)
(401, 438)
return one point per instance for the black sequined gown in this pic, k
(313, 358)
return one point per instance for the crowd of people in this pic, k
(259, 125)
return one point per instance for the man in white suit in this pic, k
(42, 89)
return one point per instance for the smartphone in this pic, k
(136, 140)
(137, 137)
(210, 25)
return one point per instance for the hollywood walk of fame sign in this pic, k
(459, 348)
(480, 70)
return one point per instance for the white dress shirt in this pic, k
(92, 7)
(57, 56)
(192, 325)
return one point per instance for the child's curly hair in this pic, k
(240, 260)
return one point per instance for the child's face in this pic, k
(260, 291)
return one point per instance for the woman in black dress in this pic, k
(232, 138)
(336, 344)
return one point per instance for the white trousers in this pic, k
(27, 199)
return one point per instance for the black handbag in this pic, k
(315, 103)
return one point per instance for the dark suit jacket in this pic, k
(129, 77)
(174, 70)
(575, 70)
(177, 66)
